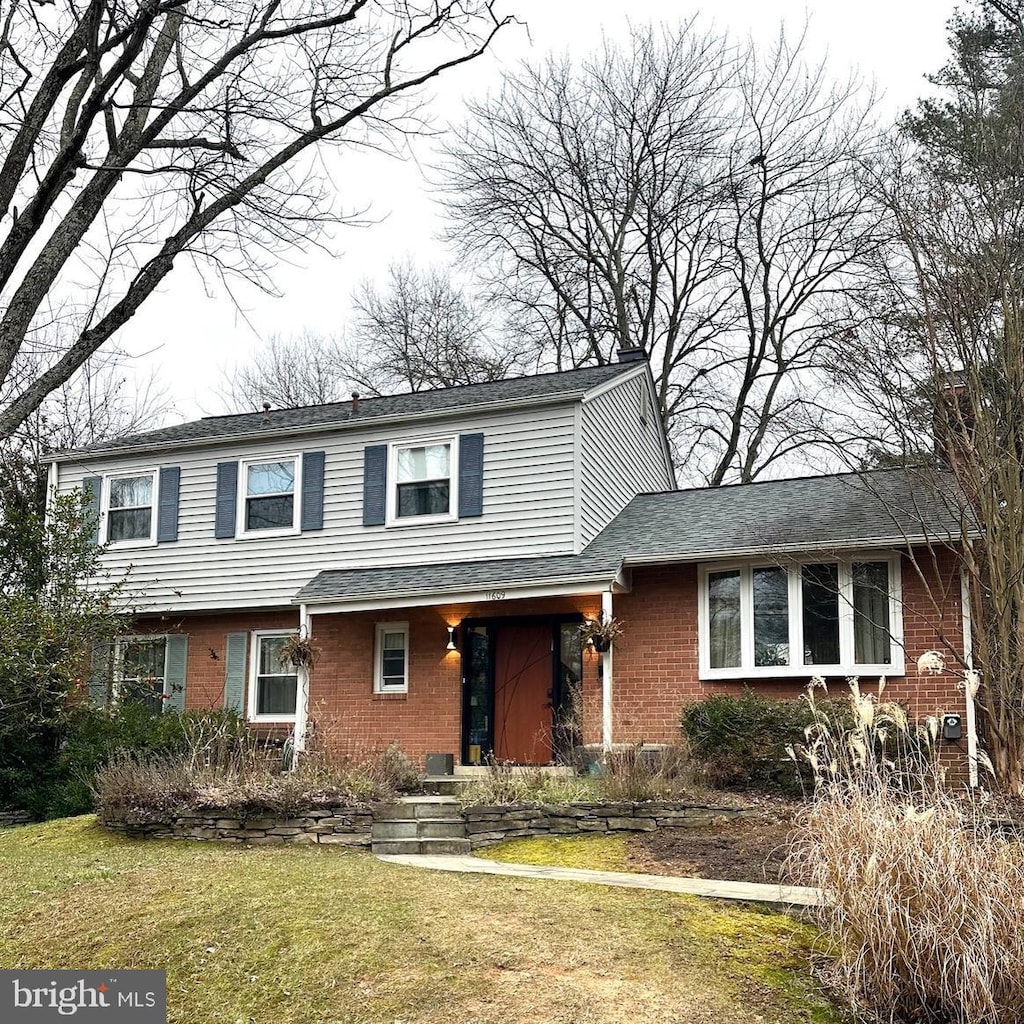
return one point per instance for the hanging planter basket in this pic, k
(601, 633)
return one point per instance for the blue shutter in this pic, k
(471, 475)
(235, 672)
(312, 491)
(227, 497)
(175, 668)
(93, 487)
(167, 511)
(100, 673)
(375, 484)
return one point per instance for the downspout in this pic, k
(302, 679)
(606, 679)
(970, 681)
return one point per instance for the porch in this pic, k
(497, 671)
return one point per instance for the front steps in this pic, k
(419, 824)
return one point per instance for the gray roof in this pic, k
(540, 387)
(883, 508)
(449, 577)
(878, 508)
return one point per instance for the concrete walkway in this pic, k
(790, 895)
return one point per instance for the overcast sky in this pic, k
(191, 331)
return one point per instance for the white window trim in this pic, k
(378, 660)
(120, 642)
(846, 667)
(254, 664)
(138, 542)
(452, 515)
(243, 479)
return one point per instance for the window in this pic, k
(130, 503)
(424, 488)
(814, 618)
(391, 658)
(273, 687)
(268, 505)
(140, 668)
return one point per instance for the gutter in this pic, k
(765, 551)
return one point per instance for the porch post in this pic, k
(606, 680)
(302, 681)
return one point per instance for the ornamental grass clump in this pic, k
(924, 906)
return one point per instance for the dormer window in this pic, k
(268, 488)
(424, 486)
(129, 509)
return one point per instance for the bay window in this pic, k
(837, 616)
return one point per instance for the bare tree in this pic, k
(287, 372)
(940, 361)
(420, 331)
(686, 197)
(142, 133)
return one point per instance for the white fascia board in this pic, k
(316, 429)
(610, 385)
(476, 596)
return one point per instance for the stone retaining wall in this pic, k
(493, 824)
(348, 826)
(8, 819)
(344, 826)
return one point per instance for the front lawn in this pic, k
(297, 934)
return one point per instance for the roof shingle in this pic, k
(883, 507)
(455, 399)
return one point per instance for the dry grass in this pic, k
(244, 781)
(927, 916)
(303, 935)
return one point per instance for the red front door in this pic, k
(522, 694)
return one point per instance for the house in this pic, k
(442, 548)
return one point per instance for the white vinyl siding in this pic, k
(528, 507)
(621, 454)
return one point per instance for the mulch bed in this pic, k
(740, 850)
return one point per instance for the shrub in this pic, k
(924, 907)
(55, 780)
(637, 774)
(238, 775)
(740, 741)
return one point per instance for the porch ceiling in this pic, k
(458, 581)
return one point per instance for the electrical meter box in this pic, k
(952, 728)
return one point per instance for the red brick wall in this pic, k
(655, 662)
(656, 668)
(347, 715)
(428, 719)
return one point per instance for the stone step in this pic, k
(420, 828)
(419, 807)
(421, 846)
(446, 785)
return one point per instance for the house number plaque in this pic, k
(495, 595)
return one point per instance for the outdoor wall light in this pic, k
(452, 646)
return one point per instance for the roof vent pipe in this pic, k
(632, 355)
(266, 408)
(355, 402)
